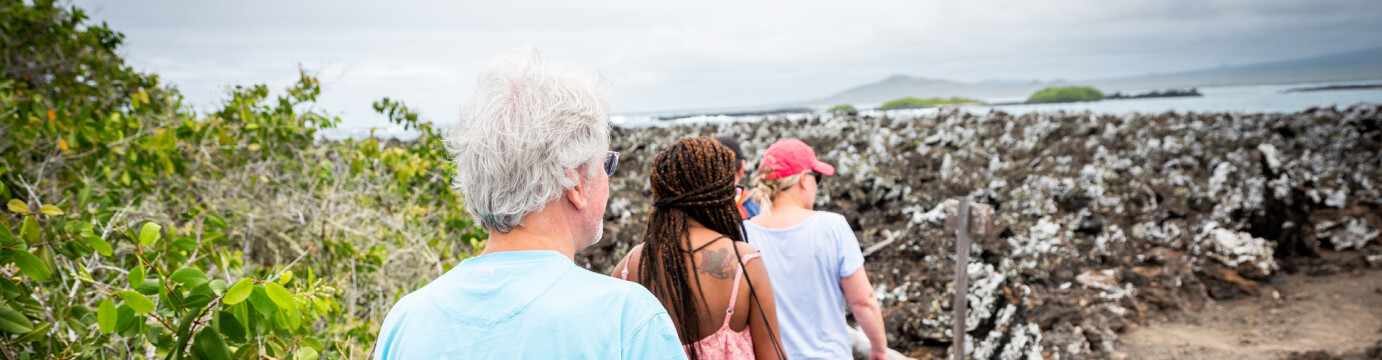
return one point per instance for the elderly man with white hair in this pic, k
(532, 163)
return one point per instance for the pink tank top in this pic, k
(725, 343)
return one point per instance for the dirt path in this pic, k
(1338, 314)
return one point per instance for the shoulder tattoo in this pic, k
(717, 263)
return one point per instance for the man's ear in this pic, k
(742, 164)
(578, 195)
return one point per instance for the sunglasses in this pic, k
(611, 162)
(816, 175)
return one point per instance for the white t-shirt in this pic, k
(806, 262)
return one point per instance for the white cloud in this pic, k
(695, 54)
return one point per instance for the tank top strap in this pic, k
(711, 242)
(746, 258)
(734, 292)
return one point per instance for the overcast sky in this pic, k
(670, 55)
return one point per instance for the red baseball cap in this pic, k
(789, 157)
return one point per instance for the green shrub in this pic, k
(1066, 94)
(911, 102)
(842, 109)
(136, 228)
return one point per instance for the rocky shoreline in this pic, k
(1100, 220)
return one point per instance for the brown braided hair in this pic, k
(694, 178)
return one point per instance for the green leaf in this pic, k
(6, 237)
(189, 277)
(238, 292)
(288, 320)
(137, 302)
(13, 322)
(276, 347)
(30, 265)
(100, 245)
(306, 353)
(247, 351)
(149, 233)
(199, 297)
(37, 334)
(8, 289)
(106, 316)
(136, 276)
(50, 210)
(243, 315)
(17, 206)
(215, 221)
(217, 286)
(124, 318)
(29, 231)
(280, 296)
(312, 343)
(185, 244)
(83, 196)
(262, 303)
(158, 336)
(150, 287)
(209, 343)
(231, 327)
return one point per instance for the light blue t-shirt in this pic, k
(806, 263)
(527, 305)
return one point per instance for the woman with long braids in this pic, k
(813, 258)
(695, 260)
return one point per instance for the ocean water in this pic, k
(1242, 99)
(1245, 99)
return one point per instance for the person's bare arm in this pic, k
(767, 338)
(859, 293)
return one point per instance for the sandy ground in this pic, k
(1338, 314)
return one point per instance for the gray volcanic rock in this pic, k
(1099, 220)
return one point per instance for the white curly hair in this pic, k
(533, 129)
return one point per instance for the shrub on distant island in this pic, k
(911, 102)
(842, 108)
(1066, 94)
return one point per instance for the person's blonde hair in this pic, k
(764, 190)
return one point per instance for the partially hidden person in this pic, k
(533, 164)
(813, 258)
(742, 197)
(695, 260)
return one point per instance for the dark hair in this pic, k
(694, 178)
(733, 145)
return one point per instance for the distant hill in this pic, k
(1363, 64)
(898, 86)
(1347, 66)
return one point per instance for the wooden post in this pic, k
(961, 277)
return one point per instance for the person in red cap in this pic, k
(812, 257)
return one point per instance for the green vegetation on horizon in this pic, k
(1066, 94)
(842, 108)
(912, 102)
(134, 227)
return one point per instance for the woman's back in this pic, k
(806, 261)
(720, 286)
(688, 265)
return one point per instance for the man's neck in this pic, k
(543, 230)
